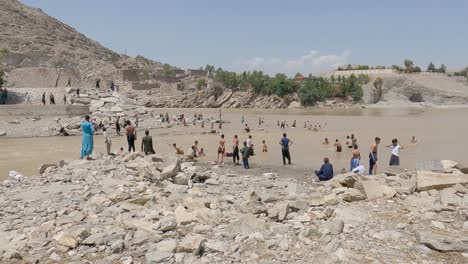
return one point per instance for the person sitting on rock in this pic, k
(326, 171)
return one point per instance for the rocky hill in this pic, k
(41, 51)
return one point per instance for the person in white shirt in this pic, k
(28, 98)
(107, 140)
(359, 169)
(395, 158)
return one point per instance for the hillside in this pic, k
(38, 46)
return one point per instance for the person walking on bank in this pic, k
(64, 99)
(51, 99)
(131, 136)
(107, 140)
(395, 158)
(285, 144)
(43, 98)
(28, 98)
(98, 84)
(373, 157)
(147, 144)
(87, 143)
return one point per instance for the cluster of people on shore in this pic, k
(51, 98)
(89, 127)
(243, 150)
(356, 166)
(3, 95)
(246, 150)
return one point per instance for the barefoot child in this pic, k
(265, 148)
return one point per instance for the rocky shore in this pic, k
(162, 209)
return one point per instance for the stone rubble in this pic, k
(160, 209)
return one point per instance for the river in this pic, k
(440, 134)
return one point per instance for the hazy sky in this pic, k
(275, 35)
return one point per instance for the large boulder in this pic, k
(184, 217)
(171, 170)
(66, 239)
(82, 100)
(191, 244)
(374, 189)
(157, 257)
(426, 180)
(443, 243)
(352, 195)
(44, 167)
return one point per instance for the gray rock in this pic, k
(352, 195)
(191, 244)
(214, 246)
(388, 235)
(431, 180)
(334, 227)
(157, 257)
(181, 178)
(296, 188)
(166, 224)
(450, 198)
(169, 245)
(43, 167)
(117, 247)
(374, 190)
(170, 171)
(443, 243)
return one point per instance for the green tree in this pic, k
(408, 65)
(209, 69)
(2, 78)
(397, 68)
(363, 79)
(298, 75)
(431, 67)
(168, 70)
(201, 84)
(416, 69)
(3, 51)
(281, 85)
(442, 68)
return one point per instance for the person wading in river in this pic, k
(355, 158)
(285, 144)
(235, 151)
(131, 136)
(147, 144)
(373, 157)
(107, 140)
(87, 143)
(221, 149)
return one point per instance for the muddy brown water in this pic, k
(441, 134)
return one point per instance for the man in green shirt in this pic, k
(147, 144)
(245, 151)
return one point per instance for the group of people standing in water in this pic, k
(245, 149)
